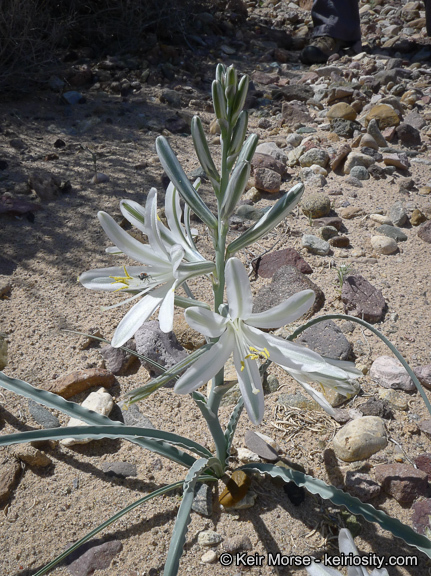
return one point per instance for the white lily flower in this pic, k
(238, 331)
(167, 261)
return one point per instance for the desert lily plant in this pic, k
(166, 263)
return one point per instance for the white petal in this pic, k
(176, 254)
(152, 224)
(100, 278)
(206, 322)
(238, 289)
(317, 396)
(166, 313)
(321, 570)
(207, 366)
(347, 367)
(126, 243)
(285, 313)
(134, 213)
(137, 315)
(250, 383)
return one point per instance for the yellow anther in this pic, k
(122, 280)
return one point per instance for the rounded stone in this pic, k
(360, 439)
(314, 156)
(328, 232)
(357, 159)
(369, 141)
(316, 205)
(417, 217)
(209, 538)
(315, 245)
(384, 114)
(342, 110)
(384, 244)
(360, 172)
(340, 242)
(209, 557)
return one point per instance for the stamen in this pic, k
(122, 280)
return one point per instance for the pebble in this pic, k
(398, 214)
(386, 116)
(341, 110)
(380, 219)
(408, 135)
(91, 557)
(351, 212)
(271, 149)
(132, 416)
(31, 456)
(421, 516)
(360, 439)
(374, 131)
(315, 245)
(203, 500)
(119, 469)
(328, 232)
(359, 172)
(339, 242)
(42, 415)
(423, 374)
(316, 205)
(267, 180)
(424, 232)
(286, 282)
(119, 361)
(392, 232)
(236, 489)
(375, 407)
(248, 501)
(361, 485)
(270, 263)
(209, 538)
(246, 456)
(369, 141)
(401, 481)
(384, 245)
(327, 339)
(417, 217)
(9, 478)
(397, 400)
(76, 382)
(209, 557)
(297, 400)
(101, 402)
(261, 445)
(268, 162)
(314, 156)
(395, 160)
(362, 299)
(100, 178)
(237, 543)
(357, 159)
(388, 372)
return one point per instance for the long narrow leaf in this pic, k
(105, 524)
(178, 177)
(231, 427)
(202, 150)
(89, 417)
(183, 518)
(98, 432)
(340, 498)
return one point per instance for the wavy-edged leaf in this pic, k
(340, 498)
(97, 432)
(107, 523)
(183, 518)
(269, 220)
(178, 177)
(89, 417)
(231, 427)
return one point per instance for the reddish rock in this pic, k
(423, 462)
(424, 232)
(421, 516)
(270, 263)
(362, 299)
(264, 78)
(402, 481)
(267, 161)
(342, 153)
(9, 478)
(81, 380)
(267, 180)
(361, 485)
(295, 113)
(423, 374)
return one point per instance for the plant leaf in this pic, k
(183, 518)
(231, 427)
(179, 179)
(107, 523)
(202, 150)
(340, 498)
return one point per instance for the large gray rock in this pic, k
(287, 281)
(362, 299)
(161, 347)
(326, 339)
(390, 373)
(360, 439)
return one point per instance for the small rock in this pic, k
(423, 374)
(270, 263)
(248, 501)
(90, 557)
(161, 347)
(31, 456)
(328, 232)
(421, 516)
(99, 178)
(209, 538)
(374, 407)
(423, 462)
(360, 439)
(357, 159)
(267, 180)
(408, 135)
(361, 485)
(132, 416)
(352, 181)
(42, 415)
(9, 478)
(341, 154)
(374, 131)
(384, 245)
(359, 172)
(86, 341)
(398, 214)
(209, 557)
(315, 245)
(340, 242)
(341, 110)
(344, 128)
(298, 400)
(268, 162)
(101, 402)
(369, 142)
(294, 113)
(237, 543)
(380, 219)
(314, 156)
(395, 160)
(417, 218)
(72, 97)
(362, 299)
(271, 149)
(392, 232)
(257, 444)
(286, 282)
(424, 232)
(246, 456)
(327, 339)
(333, 221)
(395, 399)
(118, 361)
(79, 381)
(402, 481)
(119, 469)
(384, 114)
(316, 205)
(388, 372)
(203, 500)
